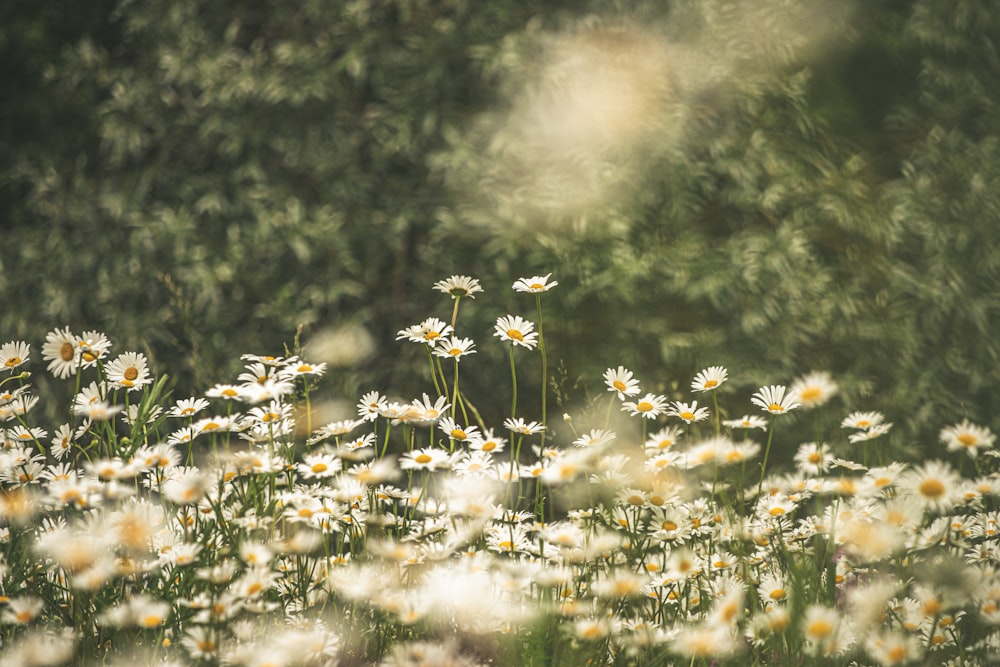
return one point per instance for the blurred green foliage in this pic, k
(201, 179)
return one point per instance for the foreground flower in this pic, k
(516, 330)
(524, 428)
(534, 284)
(932, 485)
(774, 400)
(459, 286)
(649, 406)
(428, 458)
(61, 351)
(862, 420)
(689, 412)
(13, 354)
(129, 371)
(621, 381)
(709, 379)
(455, 348)
(426, 332)
(967, 437)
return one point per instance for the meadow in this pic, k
(234, 528)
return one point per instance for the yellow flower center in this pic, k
(458, 434)
(305, 513)
(210, 426)
(319, 467)
(686, 416)
(423, 458)
(431, 335)
(932, 488)
(815, 457)
(820, 629)
(710, 383)
(619, 385)
(810, 394)
(152, 620)
(229, 392)
(515, 334)
(777, 594)
(23, 616)
(644, 406)
(635, 499)
(304, 368)
(536, 286)
(66, 352)
(488, 446)
(668, 525)
(863, 423)
(13, 361)
(131, 373)
(775, 407)
(777, 511)
(896, 654)
(967, 439)
(455, 351)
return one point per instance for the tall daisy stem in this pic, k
(545, 365)
(513, 383)
(767, 451)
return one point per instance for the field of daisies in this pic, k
(230, 529)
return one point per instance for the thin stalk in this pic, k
(767, 451)
(545, 364)
(513, 383)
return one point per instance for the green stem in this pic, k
(513, 383)
(545, 366)
(767, 451)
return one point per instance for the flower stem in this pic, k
(545, 366)
(513, 383)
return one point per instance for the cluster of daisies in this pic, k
(228, 529)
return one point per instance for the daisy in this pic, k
(534, 284)
(966, 437)
(426, 332)
(299, 367)
(61, 351)
(371, 405)
(747, 422)
(455, 348)
(689, 412)
(488, 442)
(427, 458)
(524, 428)
(318, 466)
(870, 433)
(427, 411)
(649, 406)
(774, 400)
(13, 354)
(664, 439)
(100, 411)
(451, 428)
(932, 485)
(812, 458)
(459, 286)
(229, 392)
(188, 407)
(21, 611)
(709, 379)
(814, 389)
(129, 371)
(517, 331)
(595, 438)
(621, 381)
(862, 420)
(92, 346)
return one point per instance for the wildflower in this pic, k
(21, 611)
(450, 428)
(746, 422)
(299, 368)
(517, 331)
(426, 411)
(814, 389)
(187, 488)
(621, 381)
(455, 348)
(890, 648)
(820, 625)
(188, 407)
(663, 439)
(813, 458)
(862, 420)
(932, 485)
(706, 640)
(709, 379)
(772, 590)
(688, 412)
(459, 286)
(13, 354)
(595, 438)
(487, 442)
(62, 353)
(319, 466)
(870, 433)
(524, 428)
(427, 332)
(92, 345)
(774, 400)
(97, 411)
(129, 371)
(370, 405)
(649, 406)
(427, 458)
(228, 392)
(534, 284)
(966, 437)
